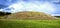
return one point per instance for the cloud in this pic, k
(31, 6)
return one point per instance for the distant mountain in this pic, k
(26, 15)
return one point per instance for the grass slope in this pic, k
(29, 23)
(30, 15)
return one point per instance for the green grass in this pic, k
(29, 23)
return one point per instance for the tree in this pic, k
(4, 13)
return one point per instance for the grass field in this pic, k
(29, 23)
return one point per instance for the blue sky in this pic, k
(47, 6)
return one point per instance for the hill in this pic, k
(29, 15)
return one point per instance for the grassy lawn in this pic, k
(29, 23)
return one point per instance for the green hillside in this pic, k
(26, 15)
(28, 20)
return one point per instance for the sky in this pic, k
(46, 6)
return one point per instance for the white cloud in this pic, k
(32, 6)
